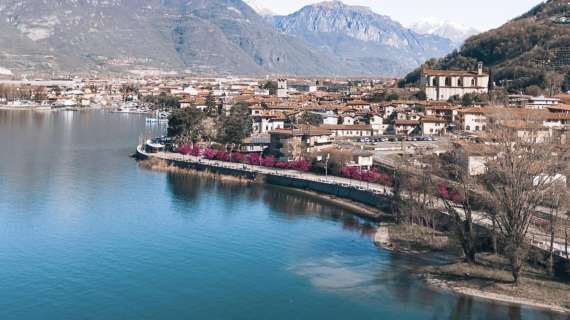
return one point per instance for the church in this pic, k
(440, 85)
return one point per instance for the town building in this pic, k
(282, 89)
(433, 126)
(349, 131)
(530, 102)
(472, 119)
(294, 144)
(440, 85)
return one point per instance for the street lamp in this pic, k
(327, 165)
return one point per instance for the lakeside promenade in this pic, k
(537, 239)
(332, 180)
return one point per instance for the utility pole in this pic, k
(327, 165)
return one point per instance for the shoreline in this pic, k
(358, 209)
(448, 286)
(382, 239)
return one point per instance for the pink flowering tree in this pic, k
(210, 154)
(300, 165)
(268, 161)
(254, 159)
(238, 157)
(184, 149)
(195, 150)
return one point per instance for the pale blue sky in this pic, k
(481, 14)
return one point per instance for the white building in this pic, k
(349, 131)
(282, 88)
(440, 85)
(530, 102)
(265, 122)
(473, 119)
(433, 126)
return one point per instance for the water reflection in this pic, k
(287, 203)
(378, 278)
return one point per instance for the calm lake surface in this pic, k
(85, 233)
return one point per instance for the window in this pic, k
(468, 128)
(460, 82)
(476, 128)
(448, 81)
(473, 82)
(434, 81)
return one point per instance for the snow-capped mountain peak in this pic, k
(261, 9)
(454, 31)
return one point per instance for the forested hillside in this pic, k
(528, 51)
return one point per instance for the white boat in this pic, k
(160, 117)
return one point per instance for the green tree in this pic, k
(236, 126)
(271, 86)
(186, 124)
(212, 105)
(163, 100)
(310, 118)
(566, 87)
(421, 95)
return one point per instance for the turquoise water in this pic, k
(85, 233)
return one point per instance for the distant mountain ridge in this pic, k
(205, 37)
(362, 38)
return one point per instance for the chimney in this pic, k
(480, 68)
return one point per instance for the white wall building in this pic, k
(282, 88)
(440, 85)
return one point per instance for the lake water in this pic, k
(85, 233)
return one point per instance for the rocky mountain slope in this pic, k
(205, 36)
(365, 40)
(530, 50)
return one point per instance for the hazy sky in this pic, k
(481, 14)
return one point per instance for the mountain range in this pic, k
(206, 37)
(364, 40)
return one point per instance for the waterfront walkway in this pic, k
(333, 180)
(537, 238)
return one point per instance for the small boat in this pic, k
(161, 117)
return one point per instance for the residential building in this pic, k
(349, 131)
(294, 144)
(472, 119)
(433, 126)
(406, 127)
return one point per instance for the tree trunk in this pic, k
(550, 263)
(516, 263)
(494, 237)
(469, 242)
(566, 242)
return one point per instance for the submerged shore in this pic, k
(485, 280)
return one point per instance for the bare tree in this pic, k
(556, 206)
(517, 180)
(460, 194)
